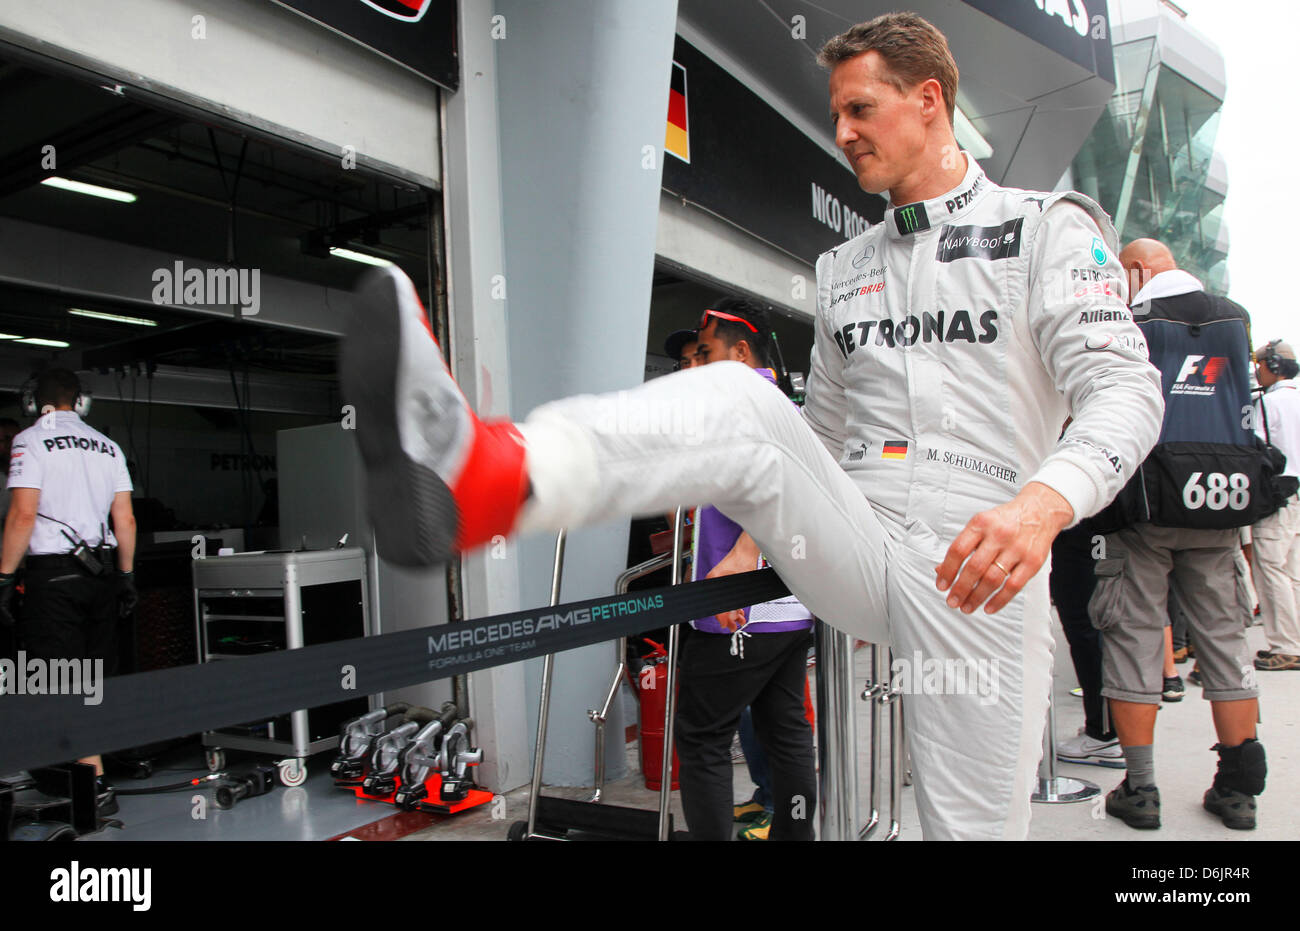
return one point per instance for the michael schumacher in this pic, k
(925, 477)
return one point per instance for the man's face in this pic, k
(713, 348)
(880, 131)
(688, 358)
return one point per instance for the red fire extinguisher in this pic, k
(652, 686)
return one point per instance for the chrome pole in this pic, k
(544, 706)
(600, 717)
(1053, 789)
(670, 701)
(894, 698)
(626, 578)
(836, 734)
(872, 693)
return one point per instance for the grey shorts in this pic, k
(1130, 608)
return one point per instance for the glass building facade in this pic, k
(1150, 159)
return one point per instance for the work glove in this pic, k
(127, 596)
(6, 596)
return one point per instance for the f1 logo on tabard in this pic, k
(1208, 372)
(408, 11)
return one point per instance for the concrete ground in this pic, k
(1184, 769)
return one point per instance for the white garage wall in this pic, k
(258, 63)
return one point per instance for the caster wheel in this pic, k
(216, 760)
(518, 831)
(142, 770)
(293, 772)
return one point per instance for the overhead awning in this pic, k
(1035, 74)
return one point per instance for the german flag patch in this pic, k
(894, 449)
(678, 140)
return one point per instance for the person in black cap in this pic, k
(680, 346)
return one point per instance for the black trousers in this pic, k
(69, 614)
(713, 689)
(1071, 584)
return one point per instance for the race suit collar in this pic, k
(1168, 284)
(912, 218)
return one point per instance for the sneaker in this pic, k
(1237, 809)
(737, 751)
(749, 812)
(1173, 690)
(1091, 751)
(1194, 676)
(1077, 691)
(759, 830)
(438, 480)
(1181, 655)
(1277, 661)
(1138, 808)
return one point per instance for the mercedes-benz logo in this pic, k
(865, 257)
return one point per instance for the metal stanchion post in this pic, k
(670, 701)
(1054, 789)
(600, 717)
(836, 735)
(872, 693)
(544, 706)
(893, 697)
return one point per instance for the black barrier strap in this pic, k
(37, 730)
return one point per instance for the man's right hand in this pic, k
(6, 597)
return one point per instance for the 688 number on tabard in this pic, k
(1219, 491)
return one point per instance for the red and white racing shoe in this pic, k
(438, 480)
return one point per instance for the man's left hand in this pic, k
(1002, 549)
(127, 596)
(6, 599)
(742, 558)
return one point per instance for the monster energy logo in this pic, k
(911, 218)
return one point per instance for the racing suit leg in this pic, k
(976, 697)
(716, 435)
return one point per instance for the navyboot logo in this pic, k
(980, 242)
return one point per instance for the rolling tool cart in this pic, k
(258, 602)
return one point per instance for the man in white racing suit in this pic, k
(924, 478)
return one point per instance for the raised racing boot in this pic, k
(438, 479)
(1240, 778)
